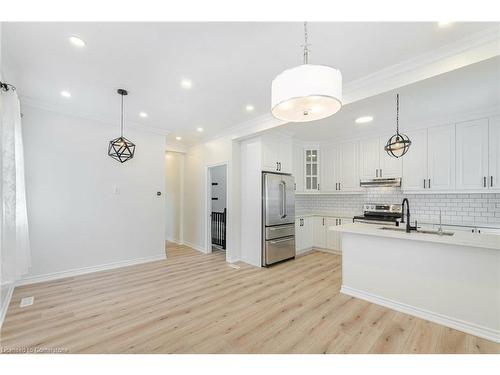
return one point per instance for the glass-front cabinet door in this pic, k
(311, 169)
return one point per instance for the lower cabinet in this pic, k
(303, 233)
(313, 232)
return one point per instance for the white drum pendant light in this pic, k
(307, 92)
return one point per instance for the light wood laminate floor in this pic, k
(197, 303)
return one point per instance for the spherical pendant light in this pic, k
(306, 92)
(398, 144)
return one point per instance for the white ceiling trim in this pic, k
(36, 103)
(472, 49)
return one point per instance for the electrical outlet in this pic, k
(27, 301)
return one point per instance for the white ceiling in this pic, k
(230, 64)
(472, 89)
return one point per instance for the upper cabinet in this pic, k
(441, 158)
(472, 155)
(369, 158)
(429, 164)
(276, 153)
(298, 167)
(415, 173)
(311, 169)
(375, 162)
(494, 153)
(457, 157)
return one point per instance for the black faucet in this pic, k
(408, 226)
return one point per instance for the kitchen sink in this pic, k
(423, 231)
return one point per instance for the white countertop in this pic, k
(459, 238)
(325, 214)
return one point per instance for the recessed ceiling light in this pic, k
(249, 108)
(363, 119)
(444, 23)
(178, 138)
(186, 83)
(76, 41)
(143, 114)
(66, 94)
(199, 129)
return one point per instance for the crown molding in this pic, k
(466, 51)
(35, 103)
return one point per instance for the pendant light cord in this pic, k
(306, 45)
(397, 114)
(121, 125)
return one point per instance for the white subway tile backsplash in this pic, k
(455, 208)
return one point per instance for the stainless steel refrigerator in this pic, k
(278, 218)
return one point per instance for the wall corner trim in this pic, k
(6, 302)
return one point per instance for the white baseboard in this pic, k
(85, 270)
(176, 241)
(196, 247)
(311, 249)
(471, 328)
(6, 302)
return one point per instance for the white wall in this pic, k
(195, 221)
(76, 218)
(218, 176)
(174, 176)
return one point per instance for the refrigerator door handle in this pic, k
(283, 199)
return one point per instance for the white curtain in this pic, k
(15, 249)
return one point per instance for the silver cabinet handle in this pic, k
(318, 186)
(376, 172)
(323, 221)
(340, 188)
(424, 183)
(491, 181)
(380, 172)
(278, 241)
(484, 181)
(429, 183)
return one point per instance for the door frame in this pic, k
(208, 206)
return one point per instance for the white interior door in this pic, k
(472, 154)
(441, 157)
(415, 162)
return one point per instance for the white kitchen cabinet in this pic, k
(441, 158)
(329, 168)
(276, 153)
(415, 162)
(298, 167)
(303, 233)
(472, 155)
(368, 158)
(333, 237)
(375, 162)
(319, 232)
(347, 156)
(389, 165)
(494, 153)
(311, 169)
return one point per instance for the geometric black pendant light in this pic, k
(121, 148)
(398, 144)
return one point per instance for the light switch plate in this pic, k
(27, 301)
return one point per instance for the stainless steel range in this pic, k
(376, 213)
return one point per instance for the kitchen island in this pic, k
(451, 279)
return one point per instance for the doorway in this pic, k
(217, 207)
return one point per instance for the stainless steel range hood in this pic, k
(381, 182)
